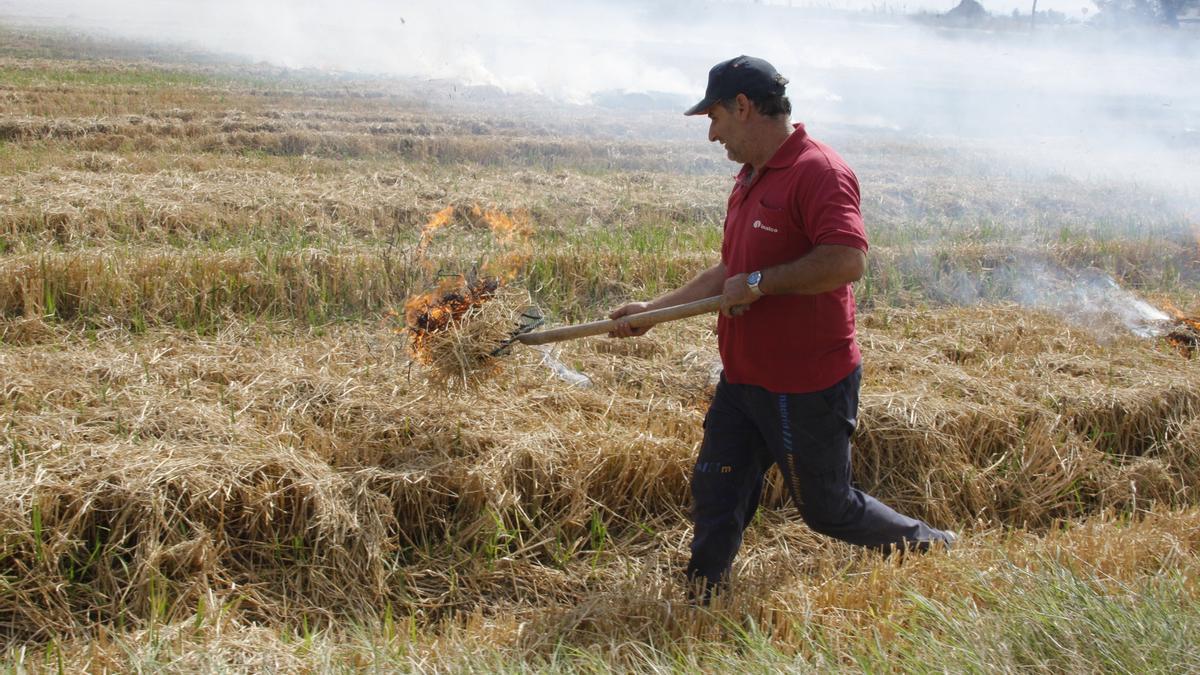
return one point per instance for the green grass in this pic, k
(1008, 618)
(1051, 620)
(125, 77)
(645, 237)
(1039, 615)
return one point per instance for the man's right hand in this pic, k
(623, 329)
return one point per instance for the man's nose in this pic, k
(712, 134)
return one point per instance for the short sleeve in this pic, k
(829, 210)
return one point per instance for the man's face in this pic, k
(725, 128)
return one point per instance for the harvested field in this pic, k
(312, 475)
(221, 455)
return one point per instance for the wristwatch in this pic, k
(752, 280)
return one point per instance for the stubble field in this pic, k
(220, 456)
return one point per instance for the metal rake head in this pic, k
(529, 320)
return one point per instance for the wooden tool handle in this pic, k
(641, 320)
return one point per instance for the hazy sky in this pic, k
(1074, 98)
(1070, 7)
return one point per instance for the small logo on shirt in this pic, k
(758, 225)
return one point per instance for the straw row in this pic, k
(317, 474)
(200, 288)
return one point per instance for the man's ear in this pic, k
(743, 108)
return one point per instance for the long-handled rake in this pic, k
(459, 331)
(525, 335)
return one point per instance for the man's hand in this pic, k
(737, 296)
(623, 329)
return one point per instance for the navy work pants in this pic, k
(808, 436)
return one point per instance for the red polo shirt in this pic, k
(804, 196)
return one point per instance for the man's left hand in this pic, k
(737, 295)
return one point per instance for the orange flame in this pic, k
(436, 222)
(427, 314)
(508, 230)
(1170, 308)
(1185, 334)
(430, 313)
(512, 232)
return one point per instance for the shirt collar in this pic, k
(786, 155)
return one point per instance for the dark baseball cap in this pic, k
(743, 74)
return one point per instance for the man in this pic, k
(794, 242)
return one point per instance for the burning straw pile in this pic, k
(1184, 333)
(456, 330)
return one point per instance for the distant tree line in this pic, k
(1166, 12)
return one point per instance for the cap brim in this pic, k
(701, 107)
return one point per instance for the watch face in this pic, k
(754, 278)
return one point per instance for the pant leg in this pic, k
(726, 485)
(809, 437)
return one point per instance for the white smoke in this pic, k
(1071, 99)
(1089, 299)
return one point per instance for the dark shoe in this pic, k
(949, 540)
